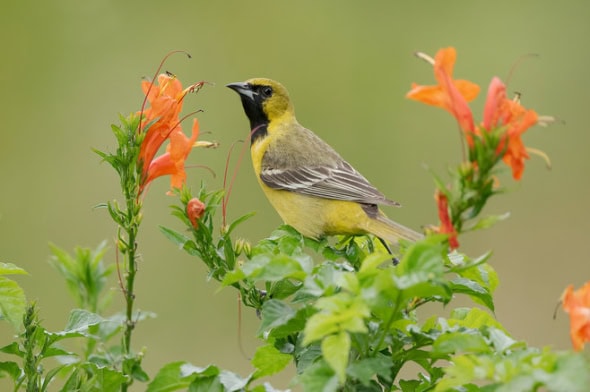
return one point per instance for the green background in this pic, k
(69, 67)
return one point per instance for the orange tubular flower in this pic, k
(446, 225)
(172, 161)
(577, 304)
(162, 122)
(500, 111)
(451, 95)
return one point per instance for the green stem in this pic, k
(132, 227)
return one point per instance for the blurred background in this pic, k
(69, 68)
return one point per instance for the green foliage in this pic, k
(85, 274)
(12, 297)
(348, 319)
(341, 312)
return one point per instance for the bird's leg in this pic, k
(394, 259)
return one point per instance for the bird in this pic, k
(308, 183)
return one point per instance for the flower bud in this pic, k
(243, 246)
(195, 209)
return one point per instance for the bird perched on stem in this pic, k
(307, 182)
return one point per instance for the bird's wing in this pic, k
(338, 182)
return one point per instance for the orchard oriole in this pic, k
(307, 182)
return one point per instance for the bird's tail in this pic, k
(391, 231)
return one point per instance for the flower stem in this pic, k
(129, 248)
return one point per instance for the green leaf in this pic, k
(13, 348)
(177, 238)
(422, 263)
(365, 369)
(274, 314)
(11, 369)
(474, 290)
(232, 277)
(239, 221)
(277, 267)
(483, 274)
(459, 342)
(371, 263)
(268, 360)
(340, 312)
(306, 356)
(80, 320)
(501, 341)
(12, 301)
(487, 222)
(283, 289)
(319, 377)
(232, 382)
(571, 373)
(462, 371)
(473, 318)
(336, 349)
(179, 375)
(206, 384)
(11, 269)
(88, 376)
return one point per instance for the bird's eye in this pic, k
(266, 91)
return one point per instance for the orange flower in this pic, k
(161, 122)
(500, 111)
(451, 95)
(195, 209)
(446, 225)
(577, 304)
(172, 161)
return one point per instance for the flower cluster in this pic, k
(497, 137)
(161, 122)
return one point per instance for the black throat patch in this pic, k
(258, 119)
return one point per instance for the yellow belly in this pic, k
(315, 217)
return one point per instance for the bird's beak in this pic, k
(242, 88)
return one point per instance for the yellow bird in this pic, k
(307, 182)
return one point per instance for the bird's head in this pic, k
(264, 100)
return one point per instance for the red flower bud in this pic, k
(195, 209)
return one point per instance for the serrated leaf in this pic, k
(336, 349)
(268, 360)
(12, 302)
